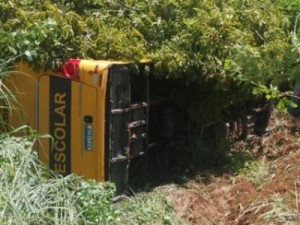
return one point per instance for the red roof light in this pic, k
(70, 69)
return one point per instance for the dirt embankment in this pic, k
(267, 192)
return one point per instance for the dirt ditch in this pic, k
(234, 199)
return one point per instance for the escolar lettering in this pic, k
(60, 133)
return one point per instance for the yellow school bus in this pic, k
(96, 112)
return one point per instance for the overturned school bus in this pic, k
(96, 113)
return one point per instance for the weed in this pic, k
(149, 209)
(280, 213)
(237, 161)
(256, 172)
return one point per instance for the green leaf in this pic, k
(26, 42)
(28, 55)
(227, 64)
(12, 50)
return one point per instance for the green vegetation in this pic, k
(257, 172)
(28, 196)
(149, 208)
(280, 213)
(219, 47)
(277, 207)
(224, 51)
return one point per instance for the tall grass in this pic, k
(280, 212)
(29, 197)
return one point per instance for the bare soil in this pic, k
(234, 199)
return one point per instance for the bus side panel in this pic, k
(43, 119)
(23, 87)
(84, 131)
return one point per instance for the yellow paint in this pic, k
(83, 162)
(90, 71)
(43, 118)
(24, 87)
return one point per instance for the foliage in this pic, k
(217, 47)
(194, 38)
(291, 60)
(256, 171)
(39, 32)
(222, 46)
(95, 200)
(29, 197)
(150, 208)
(239, 161)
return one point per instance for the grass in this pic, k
(149, 209)
(257, 172)
(280, 212)
(278, 208)
(29, 197)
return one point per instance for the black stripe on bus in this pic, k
(60, 124)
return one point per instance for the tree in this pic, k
(226, 45)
